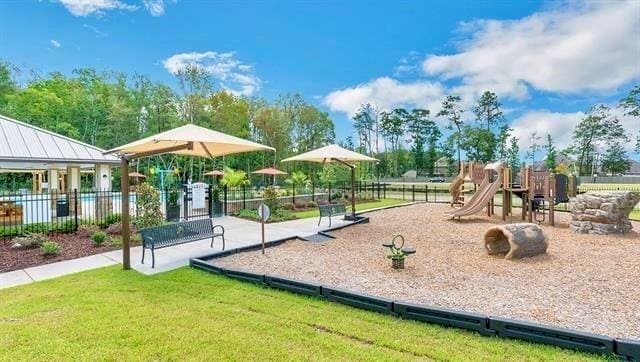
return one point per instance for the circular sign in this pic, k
(264, 212)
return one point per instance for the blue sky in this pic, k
(548, 61)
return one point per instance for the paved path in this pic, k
(238, 232)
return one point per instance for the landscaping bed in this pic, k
(584, 282)
(71, 246)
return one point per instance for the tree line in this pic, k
(412, 140)
(108, 109)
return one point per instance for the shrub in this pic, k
(116, 229)
(149, 208)
(323, 202)
(110, 220)
(289, 206)
(300, 204)
(115, 241)
(50, 248)
(98, 238)
(311, 204)
(30, 240)
(336, 195)
(86, 231)
(271, 198)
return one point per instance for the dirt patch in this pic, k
(584, 282)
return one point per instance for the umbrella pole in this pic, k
(124, 188)
(353, 192)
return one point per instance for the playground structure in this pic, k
(540, 191)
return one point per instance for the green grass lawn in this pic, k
(188, 314)
(359, 207)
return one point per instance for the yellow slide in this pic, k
(483, 195)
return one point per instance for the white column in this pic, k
(53, 180)
(73, 183)
(102, 178)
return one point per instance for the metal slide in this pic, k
(483, 195)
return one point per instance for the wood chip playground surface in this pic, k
(584, 282)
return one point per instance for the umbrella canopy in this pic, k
(136, 175)
(214, 173)
(269, 171)
(330, 153)
(335, 153)
(189, 140)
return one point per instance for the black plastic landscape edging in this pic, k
(556, 336)
(359, 300)
(444, 316)
(629, 348)
(243, 275)
(296, 286)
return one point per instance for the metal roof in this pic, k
(26, 146)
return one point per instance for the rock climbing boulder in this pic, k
(602, 212)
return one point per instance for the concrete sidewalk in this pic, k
(238, 233)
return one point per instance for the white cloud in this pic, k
(55, 43)
(154, 7)
(561, 126)
(579, 46)
(95, 7)
(386, 93)
(232, 74)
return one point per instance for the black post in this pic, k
(329, 192)
(210, 201)
(75, 208)
(426, 193)
(413, 193)
(402, 192)
(313, 191)
(185, 202)
(244, 196)
(353, 192)
(384, 189)
(225, 199)
(293, 199)
(378, 190)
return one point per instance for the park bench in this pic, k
(179, 233)
(330, 210)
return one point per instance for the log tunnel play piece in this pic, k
(516, 240)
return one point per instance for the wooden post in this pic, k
(124, 188)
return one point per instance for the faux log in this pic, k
(516, 240)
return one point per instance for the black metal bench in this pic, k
(330, 210)
(179, 233)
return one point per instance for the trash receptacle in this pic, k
(62, 208)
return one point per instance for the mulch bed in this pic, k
(584, 282)
(72, 246)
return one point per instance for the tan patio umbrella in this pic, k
(335, 153)
(271, 172)
(188, 140)
(214, 173)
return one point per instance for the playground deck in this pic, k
(584, 282)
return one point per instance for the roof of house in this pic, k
(23, 145)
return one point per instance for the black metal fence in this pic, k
(64, 212)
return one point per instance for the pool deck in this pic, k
(238, 233)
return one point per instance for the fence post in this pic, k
(293, 199)
(225, 200)
(402, 192)
(185, 199)
(75, 208)
(210, 201)
(378, 190)
(426, 193)
(384, 189)
(313, 191)
(329, 192)
(413, 193)
(244, 196)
